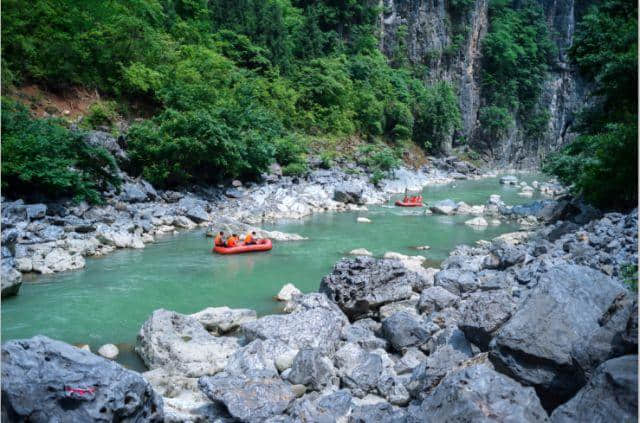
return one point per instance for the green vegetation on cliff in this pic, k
(228, 83)
(602, 162)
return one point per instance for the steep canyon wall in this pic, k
(447, 40)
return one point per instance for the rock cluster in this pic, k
(523, 328)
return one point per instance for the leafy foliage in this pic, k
(226, 80)
(602, 162)
(44, 156)
(516, 53)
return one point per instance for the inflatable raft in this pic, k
(408, 204)
(260, 245)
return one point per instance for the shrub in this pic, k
(45, 157)
(295, 169)
(101, 113)
(290, 149)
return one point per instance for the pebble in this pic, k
(109, 351)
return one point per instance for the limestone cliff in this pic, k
(447, 40)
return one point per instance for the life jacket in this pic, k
(218, 240)
(232, 241)
(248, 239)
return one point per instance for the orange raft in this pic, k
(409, 203)
(260, 245)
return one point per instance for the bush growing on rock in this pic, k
(45, 157)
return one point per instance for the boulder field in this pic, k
(530, 327)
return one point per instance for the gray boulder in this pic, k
(436, 298)
(44, 380)
(381, 412)
(10, 279)
(349, 192)
(180, 343)
(484, 313)
(106, 141)
(253, 397)
(132, 192)
(451, 351)
(610, 396)
(363, 333)
(219, 320)
(509, 180)
(313, 327)
(456, 281)
(36, 211)
(404, 330)
(540, 344)
(361, 285)
(312, 369)
(323, 409)
(445, 207)
(478, 394)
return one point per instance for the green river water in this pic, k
(108, 300)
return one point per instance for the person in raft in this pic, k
(218, 241)
(250, 239)
(232, 241)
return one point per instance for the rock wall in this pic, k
(448, 40)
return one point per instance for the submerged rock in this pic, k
(45, 380)
(109, 351)
(446, 207)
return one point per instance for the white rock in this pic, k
(236, 183)
(403, 257)
(84, 347)
(363, 220)
(494, 199)
(360, 252)
(285, 360)
(423, 247)
(477, 222)
(535, 184)
(109, 351)
(224, 319)
(495, 222)
(287, 292)
(24, 264)
(184, 222)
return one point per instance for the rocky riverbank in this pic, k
(55, 237)
(532, 326)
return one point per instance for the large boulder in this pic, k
(219, 320)
(36, 211)
(539, 345)
(312, 369)
(106, 141)
(361, 285)
(446, 207)
(326, 408)
(178, 342)
(253, 397)
(10, 279)
(610, 396)
(485, 312)
(132, 192)
(44, 380)
(349, 192)
(436, 298)
(404, 330)
(314, 322)
(380, 412)
(478, 394)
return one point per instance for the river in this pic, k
(108, 300)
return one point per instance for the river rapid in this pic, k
(109, 299)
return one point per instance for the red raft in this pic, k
(408, 203)
(260, 245)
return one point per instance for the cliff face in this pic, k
(447, 41)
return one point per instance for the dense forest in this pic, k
(228, 87)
